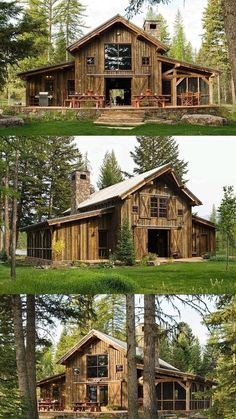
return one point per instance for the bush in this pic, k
(147, 258)
(125, 246)
(3, 255)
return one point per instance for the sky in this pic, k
(191, 10)
(187, 314)
(211, 163)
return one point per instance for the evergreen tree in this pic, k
(69, 15)
(125, 246)
(180, 48)
(213, 216)
(110, 315)
(110, 171)
(152, 152)
(60, 46)
(223, 324)
(214, 51)
(17, 30)
(227, 219)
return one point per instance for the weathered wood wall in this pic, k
(204, 240)
(76, 385)
(93, 76)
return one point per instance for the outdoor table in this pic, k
(160, 100)
(48, 405)
(76, 100)
(79, 406)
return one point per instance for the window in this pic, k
(119, 368)
(145, 60)
(103, 244)
(70, 87)
(158, 207)
(153, 26)
(90, 60)
(118, 57)
(83, 176)
(163, 207)
(154, 206)
(180, 212)
(135, 209)
(49, 85)
(97, 366)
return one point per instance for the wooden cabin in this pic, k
(156, 204)
(96, 372)
(119, 63)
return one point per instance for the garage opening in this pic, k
(158, 242)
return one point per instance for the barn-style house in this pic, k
(96, 375)
(117, 64)
(156, 204)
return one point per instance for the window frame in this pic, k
(88, 58)
(104, 249)
(97, 366)
(144, 58)
(117, 67)
(160, 212)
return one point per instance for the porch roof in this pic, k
(117, 19)
(47, 69)
(187, 66)
(52, 379)
(204, 222)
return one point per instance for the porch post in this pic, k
(218, 88)
(174, 89)
(210, 90)
(188, 386)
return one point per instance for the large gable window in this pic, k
(97, 366)
(118, 57)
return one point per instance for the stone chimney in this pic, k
(80, 188)
(152, 27)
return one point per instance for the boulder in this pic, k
(202, 119)
(11, 121)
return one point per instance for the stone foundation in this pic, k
(91, 114)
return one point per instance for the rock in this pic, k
(11, 121)
(153, 262)
(202, 119)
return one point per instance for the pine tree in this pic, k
(180, 48)
(152, 152)
(227, 219)
(69, 16)
(110, 171)
(125, 246)
(214, 51)
(110, 315)
(17, 30)
(223, 323)
(59, 54)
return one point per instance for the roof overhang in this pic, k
(203, 221)
(46, 69)
(51, 379)
(183, 65)
(114, 20)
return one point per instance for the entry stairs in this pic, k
(121, 117)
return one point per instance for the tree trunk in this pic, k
(14, 216)
(6, 215)
(30, 354)
(131, 358)
(20, 353)
(149, 388)
(229, 13)
(233, 90)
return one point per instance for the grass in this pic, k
(88, 128)
(200, 278)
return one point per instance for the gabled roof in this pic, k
(110, 340)
(117, 19)
(123, 189)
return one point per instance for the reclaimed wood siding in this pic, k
(203, 239)
(139, 73)
(76, 384)
(180, 226)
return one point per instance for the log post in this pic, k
(210, 91)
(174, 89)
(218, 88)
(188, 386)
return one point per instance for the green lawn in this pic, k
(88, 128)
(202, 278)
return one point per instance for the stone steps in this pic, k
(121, 117)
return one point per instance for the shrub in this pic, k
(147, 258)
(3, 255)
(125, 246)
